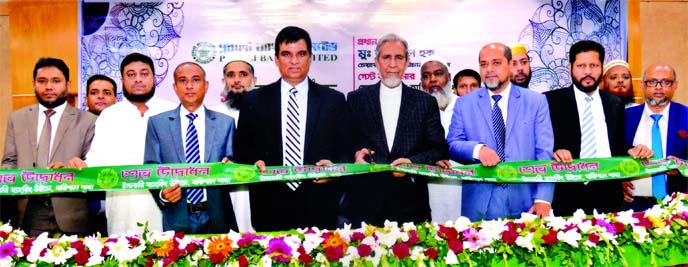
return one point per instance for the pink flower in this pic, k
(8, 250)
(364, 250)
(247, 239)
(279, 250)
(400, 250)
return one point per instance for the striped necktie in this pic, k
(292, 149)
(659, 189)
(192, 153)
(588, 140)
(498, 125)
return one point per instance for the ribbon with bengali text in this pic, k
(145, 177)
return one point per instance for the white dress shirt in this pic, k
(504, 106)
(120, 139)
(446, 114)
(445, 194)
(199, 123)
(302, 101)
(643, 135)
(390, 105)
(601, 137)
(224, 109)
(54, 123)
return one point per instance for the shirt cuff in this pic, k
(161, 198)
(476, 151)
(542, 201)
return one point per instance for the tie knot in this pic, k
(656, 117)
(496, 98)
(191, 116)
(588, 98)
(293, 91)
(49, 112)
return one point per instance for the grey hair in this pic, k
(673, 71)
(388, 38)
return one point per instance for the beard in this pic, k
(138, 98)
(493, 85)
(587, 89)
(391, 82)
(234, 100)
(443, 97)
(52, 104)
(525, 83)
(657, 103)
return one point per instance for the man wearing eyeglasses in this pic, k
(662, 125)
(588, 123)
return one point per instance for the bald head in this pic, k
(659, 84)
(188, 63)
(494, 66)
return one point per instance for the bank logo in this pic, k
(244, 174)
(203, 52)
(107, 178)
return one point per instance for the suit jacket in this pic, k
(676, 144)
(164, 145)
(568, 197)
(72, 139)
(259, 137)
(528, 136)
(419, 136)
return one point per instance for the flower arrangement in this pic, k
(654, 237)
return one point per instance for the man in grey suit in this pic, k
(42, 136)
(192, 134)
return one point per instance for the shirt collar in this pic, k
(580, 95)
(58, 110)
(665, 112)
(200, 112)
(302, 87)
(505, 94)
(384, 87)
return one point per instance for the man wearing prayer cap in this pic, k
(520, 65)
(616, 79)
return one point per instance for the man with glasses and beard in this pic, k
(239, 78)
(42, 136)
(120, 140)
(588, 123)
(444, 194)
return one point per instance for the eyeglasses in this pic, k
(663, 83)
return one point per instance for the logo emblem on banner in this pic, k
(107, 178)
(244, 174)
(203, 52)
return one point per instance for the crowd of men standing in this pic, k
(295, 121)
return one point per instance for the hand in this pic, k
(675, 159)
(541, 209)
(640, 152)
(563, 156)
(395, 163)
(322, 162)
(56, 165)
(361, 155)
(444, 163)
(172, 194)
(260, 164)
(226, 160)
(628, 190)
(76, 163)
(488, 157)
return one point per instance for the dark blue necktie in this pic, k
(498, 125)
(659, 189)
(193, 155)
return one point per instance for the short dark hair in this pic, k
(51, 62)
(135, 57)
(292, 34)
(100, 77)
(466, 73)
(585, 46)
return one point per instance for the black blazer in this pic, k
(605, 196)
(274, 206)
(419, 137)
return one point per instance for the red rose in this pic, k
(550, 238)
(103, 252)
(619, 227)
(217, 258)
(243, 261)
(78, 245)
(448, 233)
(26, 245)
(191, 248)
(149, 261)
(509, 237)
(334, 253)
(364, 250)
(81, 257)
(431, 253)
(413, 239)
(401, 250)
(682, 134)
(303, 256)
(356, 236)
(133, 241)
(594, 238)
(455, 245)
(4, 235)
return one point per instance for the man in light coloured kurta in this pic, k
(121, 133)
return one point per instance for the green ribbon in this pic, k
(144, 177)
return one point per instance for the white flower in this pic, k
(408, 226)
(666, 230)
(345, 233)
(368, 240)
(68, 239)
(640, 234)
(311, 241)
(556, 223)
(577, 217)
(655, 212)
(37, 247)
(320, 258)
(388, 239)
(160, 236)
(95, 260)
(349, 255)
(265, 261)
(527, 218)
(377, 254)
(462, 223)
(417, 253)
(451, 258)
(626, 217)
(586, 227)
(294, 242)
(571, 237)
(7, 228)
(492, 230)
(58, 255)
(120, 250)
(525, 241)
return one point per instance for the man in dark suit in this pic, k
(667, 135)
(45, 135)
(293, 121)
(394, 124)
(192, 134)
(588, 123)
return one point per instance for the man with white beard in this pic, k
(444, 194)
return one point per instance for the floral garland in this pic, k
(653, 237)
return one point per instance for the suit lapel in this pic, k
(570, 99)
(210, 135)
(674, 126)
(174, 130)
(31, 117)
(373, 99)
(273, 115)
(312, 111)
(514, 108)
(632, 122)
(485, 107)
(403, 119)
(65, 122)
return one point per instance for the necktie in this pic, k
(43, 153)
(292, 150)
(588, 141)
(659, 189)
(192, 153)
(498, 125)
